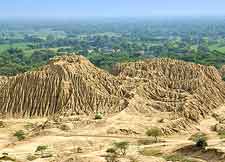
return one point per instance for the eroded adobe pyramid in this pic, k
(72, 85)
(66, 85)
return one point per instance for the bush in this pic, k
(202, 143)
(98, 116)
(31, 157)
(111, 150)
(197, 136)
(20, 135)
(122, 147)
(200, 139)
(111, 158)
(112, 155)
(154, 132)
(41, 148)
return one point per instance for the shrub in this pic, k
(112, 155)
(98, 116)
(31, 157)
(111, 158)
(122, 147)
(41, 148)
(200, 139)
(154, 132)
(111, 150)
(202, 143)
(20, 135)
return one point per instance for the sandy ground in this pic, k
(94, 137)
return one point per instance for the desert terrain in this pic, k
(71, 111)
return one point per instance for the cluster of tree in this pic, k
(14, 61)
(106, 42)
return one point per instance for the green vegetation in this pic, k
(98, 116)
(195, 137)
(202, 143)
(199, 41)
(41, 148)
(200, 139)
(145, 141)
(20, 135)
(172, 157)
(150, 152)
(178, 158)
(154, 132)
(31, 157)
(121, 147)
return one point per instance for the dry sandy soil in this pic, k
(48, 115)
(84, 139)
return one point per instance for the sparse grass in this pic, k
(29, 126)
(149, 151)
(177, 158)
(31, 157)
(20, 135)
(145, 141)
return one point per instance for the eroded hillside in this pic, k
(68, 85)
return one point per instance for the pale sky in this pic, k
(109, 8)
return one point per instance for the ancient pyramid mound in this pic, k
(178, 86)
(72, 85)
(66, 85)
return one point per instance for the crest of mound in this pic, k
(68, 84)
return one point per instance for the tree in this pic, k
(154, 132)
(122, 146)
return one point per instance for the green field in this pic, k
(217, 47)
(4, 47)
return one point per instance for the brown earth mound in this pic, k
(72, 85)
(65, 85)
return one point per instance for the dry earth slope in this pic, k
(72, 85)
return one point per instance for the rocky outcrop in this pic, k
(72, 85)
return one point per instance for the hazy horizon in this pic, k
(101, 8)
